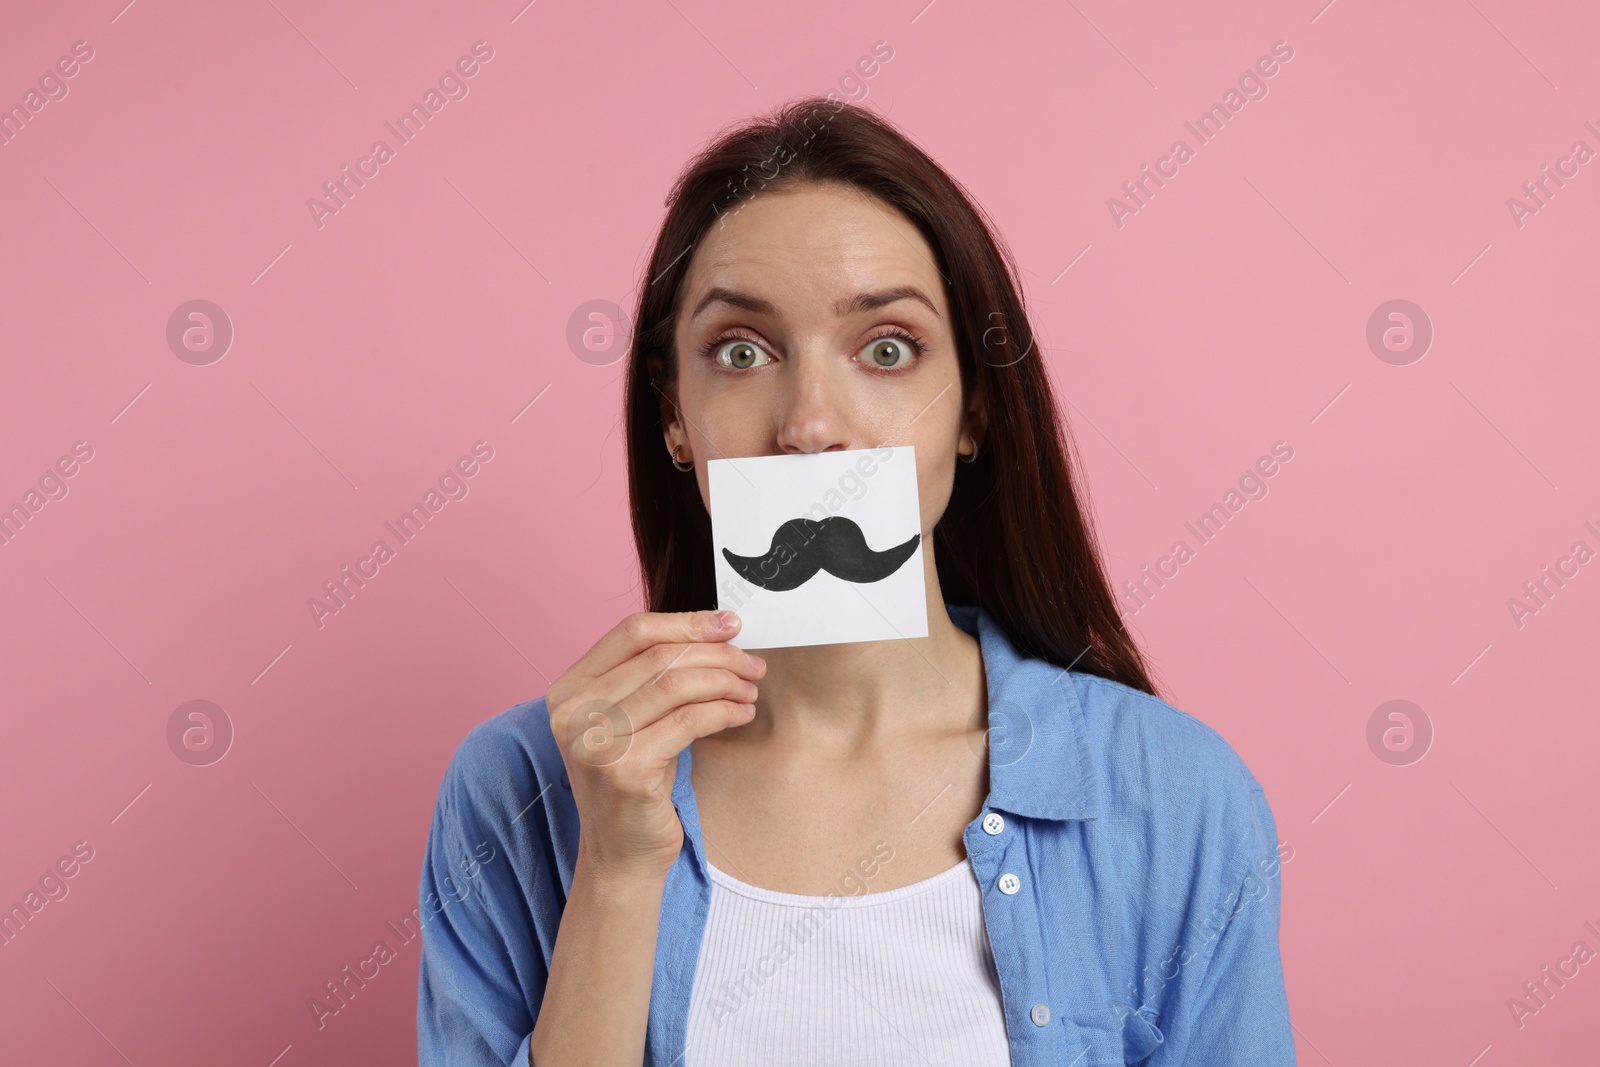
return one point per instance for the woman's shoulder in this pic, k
(1156, 763)
(1124, 719)
(503, 765)
(1069, 742)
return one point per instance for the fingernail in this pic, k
(726, 620)
(759, 663)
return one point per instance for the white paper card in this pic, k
(826, 547)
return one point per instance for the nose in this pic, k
(813, 413)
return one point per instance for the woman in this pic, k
(993, 844)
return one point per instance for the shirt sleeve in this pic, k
(482, 973)
(1239, 1012)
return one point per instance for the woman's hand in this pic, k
(624, 712)
(622, 715)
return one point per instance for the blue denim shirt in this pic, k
(1130, 886)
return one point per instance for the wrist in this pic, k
(613, 877)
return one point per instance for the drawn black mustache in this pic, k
(802, 547)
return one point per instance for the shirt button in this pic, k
(993, 823)
(1009, 883)
(1040, 1014)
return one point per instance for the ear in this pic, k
(667, 398)
(976, 421)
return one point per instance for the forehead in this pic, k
(813, 243)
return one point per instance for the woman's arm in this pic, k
(598, 996)
(1239, 1009)
(489, 898)
(622, 715)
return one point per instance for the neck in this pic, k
(847, 697)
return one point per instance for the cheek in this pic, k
(936, 471)
(729, 422)
(715, 418)
(705, 486)
(935, 431)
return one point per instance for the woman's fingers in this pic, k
(625, 711)
(637, 632)
(675, 731)
(658, 662)
(680, 686)
(600, 730)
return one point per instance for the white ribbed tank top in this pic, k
(902, 976)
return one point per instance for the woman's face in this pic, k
(813, 320)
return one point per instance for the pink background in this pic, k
(1229, 313)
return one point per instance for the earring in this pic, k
(971, 458)
(673, 452)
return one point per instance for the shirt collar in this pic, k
(1039, 765)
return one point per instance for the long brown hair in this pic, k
(1014, 539)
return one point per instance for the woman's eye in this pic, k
(888, 352)
(739, 354)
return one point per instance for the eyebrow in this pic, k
(848, 306)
